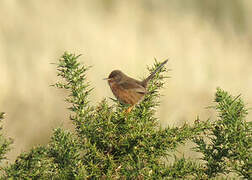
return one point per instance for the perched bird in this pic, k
(128, 90)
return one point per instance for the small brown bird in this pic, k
(127, 89)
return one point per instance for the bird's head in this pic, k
(115, 76)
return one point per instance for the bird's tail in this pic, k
(153, 74)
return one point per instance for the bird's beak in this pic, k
(106, 79)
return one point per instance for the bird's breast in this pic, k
(127, 96)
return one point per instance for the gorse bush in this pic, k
(230, 139)
(109, 144)
(4, 142)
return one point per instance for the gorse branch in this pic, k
(230, 138)
(73, 74)
(4, 142)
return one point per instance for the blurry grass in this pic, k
(208, 43)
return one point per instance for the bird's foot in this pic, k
(129, 109)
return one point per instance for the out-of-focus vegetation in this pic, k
(208, 42)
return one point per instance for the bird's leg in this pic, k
(129, 109)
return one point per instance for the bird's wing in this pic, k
(135, 85)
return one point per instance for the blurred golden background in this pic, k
(209, 44)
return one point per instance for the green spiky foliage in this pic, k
(227, 145)
(110, 144)
(4, 142)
